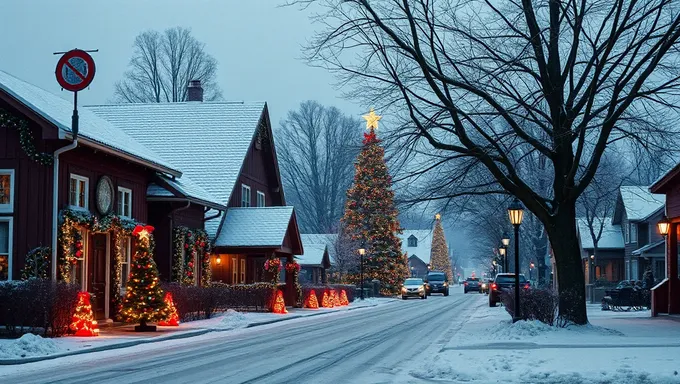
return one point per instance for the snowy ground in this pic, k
(629, 347)
(30, 346)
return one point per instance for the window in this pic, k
(6, 190)
(245, 195)
(626, 235)
(125, 264)
(79, 268)
(243, 271)
(5, 248)
(412, 241)
(234, 271)
(260, 199)
(633, 233)
(124, 202)
(78, 191)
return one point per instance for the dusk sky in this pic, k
(257, 44)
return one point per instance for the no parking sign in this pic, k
(75, 70)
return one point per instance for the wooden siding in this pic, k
(673, 202)
(258, 172)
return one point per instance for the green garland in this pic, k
(190, 246)
(37, 264)
(25, 137)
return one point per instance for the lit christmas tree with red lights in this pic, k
(83, 322)
(371, 217)
(143, 302)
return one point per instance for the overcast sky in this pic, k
(256, 42)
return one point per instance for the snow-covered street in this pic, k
(455, 339)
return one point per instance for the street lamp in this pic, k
(412, 271)
(664, 226)
(592, 269)
(362, 251)
(505, 240)
(531, 269)
(516, 214)
(502, 251)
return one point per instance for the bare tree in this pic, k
(471, 77)
(317, 146)
(345, 257)
(162, 65)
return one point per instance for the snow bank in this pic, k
(233, 320)
(28, 345)
(522, 330)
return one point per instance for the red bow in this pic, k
(138, 229)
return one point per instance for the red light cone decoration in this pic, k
(311, 301)
(83, 322)
(173, 318)
(327, 301)
(336, 298)
(343, 298)
(279, 304)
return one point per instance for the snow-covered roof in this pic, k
(422, 251)
(188, 188)
(327, 239)
(155, 190)
(611, 238)
(93, 130)
(207, 141)
(313, 255)
(649, 248)
(639, 203)
(254, 227)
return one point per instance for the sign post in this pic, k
(75, 71)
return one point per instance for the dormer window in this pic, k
(412, 241)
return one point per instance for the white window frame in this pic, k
(127, 246)
(633, 233)
(415, 240)
(261, 196)
(85, 234)
(74, 176)
(234, 270)
(8, 208)
(626, 234)
(10, 241)
(126, 192)
(242, 271)
(246, 187)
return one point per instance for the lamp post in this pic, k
(531, 269)
(505, 241)
(516, 214)
(494, 266)
(664, 227)
(502, 250)
(362, 251)
(412, 271)
(592, 269)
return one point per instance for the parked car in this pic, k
(437, 282)
(413, 287)
(471, 284)
(486, 283)
(504, 281)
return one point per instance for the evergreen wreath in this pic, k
(25, 137)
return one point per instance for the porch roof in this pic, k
(316, 255)
(650, 248)
(166, 188)
(261, 227)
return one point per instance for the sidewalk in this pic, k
(31, 348)
(616, 347)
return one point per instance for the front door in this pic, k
(98, 275)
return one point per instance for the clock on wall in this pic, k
(104, 195)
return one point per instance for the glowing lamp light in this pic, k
(505, 240)
(516, 212)
(362, 251)
(664, 226)
(218, 260)
(501, 250)
(531, 265)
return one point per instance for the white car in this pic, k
(413, 287)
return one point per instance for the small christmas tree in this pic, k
(173, 317)
(143, 301)
(439, 256)
(371, 217)
(279, 304)
(83, 322)
(343, 298)
(326, 301)
(336, 298)
(312, 302)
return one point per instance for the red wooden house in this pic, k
(178, 167)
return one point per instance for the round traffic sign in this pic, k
(75, 70)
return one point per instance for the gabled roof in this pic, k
(208, 141)
(328, 239)
(264, 227)
(639, 203)
(649, 248)
(315, 255)
(166, 188)
(422, 251)
(93, 130)
(664, 183)
(611, 237)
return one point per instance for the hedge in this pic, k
(536, 304)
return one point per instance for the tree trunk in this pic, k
(570, 277)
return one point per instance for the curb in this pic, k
(176, 336)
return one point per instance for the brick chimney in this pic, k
(195, 91)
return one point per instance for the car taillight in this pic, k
(526, 286)
(465, 283)
(493, 286)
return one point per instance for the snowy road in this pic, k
(372, 345)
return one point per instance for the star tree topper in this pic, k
(143, 231)
(438, 216)
(372, 120)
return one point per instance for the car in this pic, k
(413, 287)
(504, 281)
(471, 284)
(436, 282)
(486, 283)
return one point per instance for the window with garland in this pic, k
(6, 190)
(5, 248)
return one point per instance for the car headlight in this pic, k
(421, 288)
(404, 290)
(446, 284)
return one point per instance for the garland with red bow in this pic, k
(191, 246)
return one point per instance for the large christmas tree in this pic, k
(370, 216)
(439, 256)
(143, 302)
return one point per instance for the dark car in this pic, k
(504, 281)
(437, 282)
(471, 284)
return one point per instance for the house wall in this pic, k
(673, 201)
(419, 267)
(32, 210)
